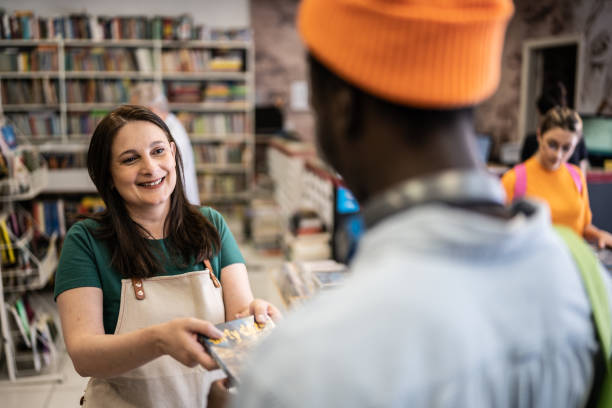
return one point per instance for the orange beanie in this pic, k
(422, 53)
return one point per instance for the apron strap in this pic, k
(138, 288)
(213, 278)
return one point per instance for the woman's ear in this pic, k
(173, 148)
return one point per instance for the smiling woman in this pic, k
(547, 175)
(141, 279)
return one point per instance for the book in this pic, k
(239, 338)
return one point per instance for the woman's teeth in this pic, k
(153, 183)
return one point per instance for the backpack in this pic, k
(588, 265)
(520, 185)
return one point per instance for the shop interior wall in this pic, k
(214, 13)
(498, 117)
(280, 61)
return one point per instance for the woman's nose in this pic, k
(147, 164)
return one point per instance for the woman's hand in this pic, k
(261, 309)
(178, 339)
(604, 239)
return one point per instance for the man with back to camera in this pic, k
(454, 300)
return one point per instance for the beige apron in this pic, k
(163, 382)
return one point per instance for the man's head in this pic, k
(388, 67)
(552, 95)
(152, 96)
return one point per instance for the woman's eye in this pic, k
(566, 148)
(159, 150)
(128, 160)
(552, 145)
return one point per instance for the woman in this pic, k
(137, 282)
(548, 176)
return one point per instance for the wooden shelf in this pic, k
(109, 43)
(30, 74)
(69, 181)
(210, 106)
(206, 75)
(210, 137)
(30, 106)
(221, 168)
(108, 74)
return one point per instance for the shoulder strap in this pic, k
(575, 176)
(520, 184)
(211, 273)
(588, 265)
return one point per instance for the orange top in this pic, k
(567, 206)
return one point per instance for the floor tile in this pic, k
(22, 396)
(65, 397)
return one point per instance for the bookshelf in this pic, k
(57, 90)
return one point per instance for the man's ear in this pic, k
(345, 112)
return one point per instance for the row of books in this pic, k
(25, 25)
(85, 123)
(109, 59)
(37, 125)
(213, 123)
(45, 91)
(49, 216)
(34, 91)
(200, 91)
(220, 184)
(220, 154)
(40, 58)
(201, 60)
(41, 125)
(98, 91)
(58, 215)
(65, 160)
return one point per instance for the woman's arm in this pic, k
(96, 354)
(238, 297)
(601, 237)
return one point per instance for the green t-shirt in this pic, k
(85, 261)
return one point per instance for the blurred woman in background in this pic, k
(547, 175)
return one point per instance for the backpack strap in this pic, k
(575, 176)
(588, 265)
(520, 184)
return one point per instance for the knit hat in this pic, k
(422, 53)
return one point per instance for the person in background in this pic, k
(151, 95)
(547, 175)
(552, 96)
(136, 282)
(455, 300)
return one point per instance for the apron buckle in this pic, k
(138, 288)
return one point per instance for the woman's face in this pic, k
(556, 146)
(143, 166)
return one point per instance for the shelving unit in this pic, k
(84, 79)
(24, 271)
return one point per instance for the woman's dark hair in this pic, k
(561, 117)
(418, 122)
(189, 235)
(553, 95)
